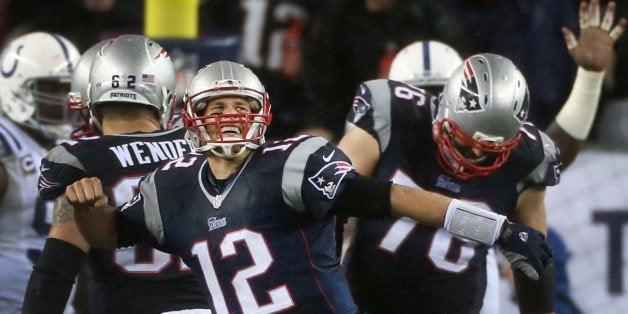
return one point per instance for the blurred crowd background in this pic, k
(312, 54)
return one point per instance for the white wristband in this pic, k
(473, 223)
(578, 113)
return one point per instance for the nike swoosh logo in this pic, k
(328, 158)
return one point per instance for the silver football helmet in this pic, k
(77, 97)
(424, 63)
(482, 107)
(36, 72)
(218, 79)
(133, 69)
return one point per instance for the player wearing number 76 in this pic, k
(255, 221)
(471, 143)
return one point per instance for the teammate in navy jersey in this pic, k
(395, 264)
(388, 269)
(255, 221)
(130, 97)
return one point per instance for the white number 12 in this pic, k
(262, 259)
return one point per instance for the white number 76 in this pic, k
(442, 242)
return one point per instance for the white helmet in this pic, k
(225, 78)
(483, 105)
(77, 97)
(133, 69)
(424, 63)
(36, 71)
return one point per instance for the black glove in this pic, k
(525, 248)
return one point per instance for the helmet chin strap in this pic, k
(91, 110)
(227, 150)
(166, 108)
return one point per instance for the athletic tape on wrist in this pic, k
(577, 115)
(473, 223)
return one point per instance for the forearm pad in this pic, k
(536, 296)
(473, 223)
(52, 278)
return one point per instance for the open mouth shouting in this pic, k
(231, 131)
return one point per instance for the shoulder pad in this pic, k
(60, 155)
(314, 165)
(548, 171)
(369, 94)
(371, 110)
(177, 172)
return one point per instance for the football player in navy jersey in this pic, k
(127, 84)
(472, 143)
(255, 220)
(428, 65)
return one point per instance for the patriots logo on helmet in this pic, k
(522, 113)
(468, 100)
(328, 178)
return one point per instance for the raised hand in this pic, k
(85, 194)
(525, 248)
(594, 49)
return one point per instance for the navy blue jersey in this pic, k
(263, 241)
(395, 264)
(136, 279)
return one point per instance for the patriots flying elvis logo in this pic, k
(136, 198)
(360, 106)
(46, 184)
(468, 99)
(329, 177)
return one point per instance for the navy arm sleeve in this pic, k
(364, 197)
(51, 281)
(128, 232)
